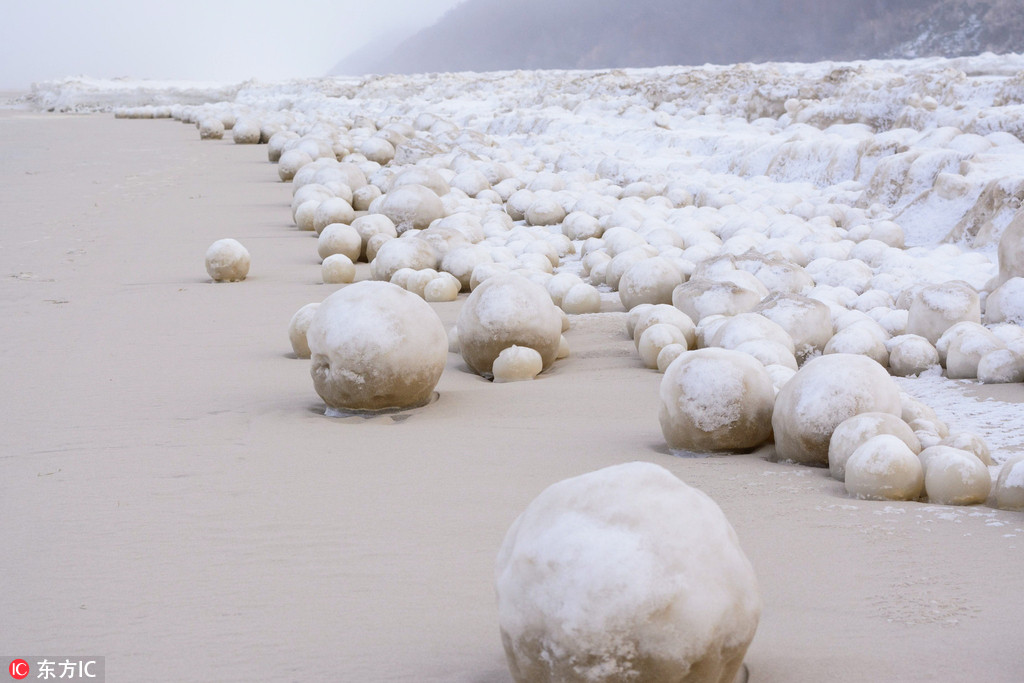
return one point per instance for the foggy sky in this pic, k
(222, 40)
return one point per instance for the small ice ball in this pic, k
(854, 431)
(571, 607)
(297, 328)
(823, 393)
(654, 339)
(910, 355)
(1009, 491)
(884, 468)
(338, 238)
(582, 298)
(954, 477)
(516, 363)
(716, 400)
(443, 287)
(211, 128)
(1001, 366)
(227, 261)
(668, 354)
(402, 252)
(1006, 303)
(668, 314)
(290, 163)
(965, 351)
(375, 346)
(337, 269)
(246, 133)
(938, 307)
(970, 442)
(411, 207)
(649, 281)
(333, 210)
(808, 321)
(700, 297)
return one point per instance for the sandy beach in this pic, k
(174, 499)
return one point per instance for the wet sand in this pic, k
(174, 500)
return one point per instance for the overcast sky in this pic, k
(195, 40)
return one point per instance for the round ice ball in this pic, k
(411, 207)
(337, 269)
(700, 297)
(965, 351)
(516, 363)
(403, 252)
(333, 210)
(654, 339)
(954, 477)
(572, 605)
(911, 354)
(227, 261)
(716, 400)
(338, 238)
(246, 133)
(297, 328)
(506, 310)
(1009, 491)
(938, 307)
(884, 468)
(1006, 303)
(211, 128)
(582, 298)
(1001, 366)
(823, 393)
(375, 346)
(650, 281)
(854, 431)
(443, 287)
(290, 163)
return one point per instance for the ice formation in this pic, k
(297, 328)
(624, 574)
(854, 431)
(227, 260)
(375, 346)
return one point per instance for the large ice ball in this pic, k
(375, 346)
(823, 393)
(625, 574)
(716, 399)
(507, 310)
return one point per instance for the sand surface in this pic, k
(173, 499)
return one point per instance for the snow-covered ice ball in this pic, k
(649, 281)
(402, 252)
(506, 310)
(305, 215)
(936, 308)
(716, 400)
(808, 321)
(297, 328)
(582, 298)
(966, 350)
(700, 297)
(884, 468)
(624, 574)
(662, 313)
(745, 327)
(559, 285)
(1001, 366)
(654, 339)
(853, 431)
(970, 442)
(338, 238)
(1009, 490)
(1011, 249)
(633, 317)
(1006, 303)
(411, 207)
(277, 142)
(211, 128)
(246, 133)
(622, 262)
(423, 176)
(227, 261)
(860, 339)
(333, 210)
(768, 352)
(461, 260)
(823, 393)
(544, 211)
(337, 269)
(364, 196)
(910, 355)
(375, 346)
(377, 149)
(516, 363)
(954, 477)
(290, 163)
(580, 226)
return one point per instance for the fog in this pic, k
(193, 40)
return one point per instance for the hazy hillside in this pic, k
(484, 35)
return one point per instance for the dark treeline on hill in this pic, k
(488, 35)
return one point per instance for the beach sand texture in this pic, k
(173, 498)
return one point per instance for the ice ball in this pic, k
(227, 261)
(297, 328)
(884, 468)
(375, 346)
(624, 574)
